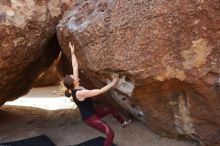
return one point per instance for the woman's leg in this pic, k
(103, 111)
(95, 122)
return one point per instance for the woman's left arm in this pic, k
(74, 61)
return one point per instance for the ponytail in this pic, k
(68, 83)
(68, 93)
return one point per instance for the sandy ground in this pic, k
(42, 112)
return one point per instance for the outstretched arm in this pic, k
(82, 94)
(74, 61)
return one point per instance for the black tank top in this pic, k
(86, 107)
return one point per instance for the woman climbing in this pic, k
(83, 99)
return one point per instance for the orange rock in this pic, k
(26, 43)
(169, 51)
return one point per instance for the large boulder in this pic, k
(167, 52)
(27, 42)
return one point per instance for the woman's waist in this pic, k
(87, 109)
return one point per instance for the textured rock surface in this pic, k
(168, 53)
(50, 77)
(26, 45)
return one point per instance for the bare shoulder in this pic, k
(81, 94)
(85, 93)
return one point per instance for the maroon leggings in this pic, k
(96, 122)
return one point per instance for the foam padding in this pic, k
(98, 141)
(41, 140)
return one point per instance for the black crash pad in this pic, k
(41, 140)
(98, 141)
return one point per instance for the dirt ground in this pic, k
(43, 112)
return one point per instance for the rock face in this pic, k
(168, 53)
(50, 77)
(26, 42)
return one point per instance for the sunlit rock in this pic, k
(27, 38)
(168, 50)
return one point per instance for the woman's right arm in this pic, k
(74, 61)
(82, 94)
